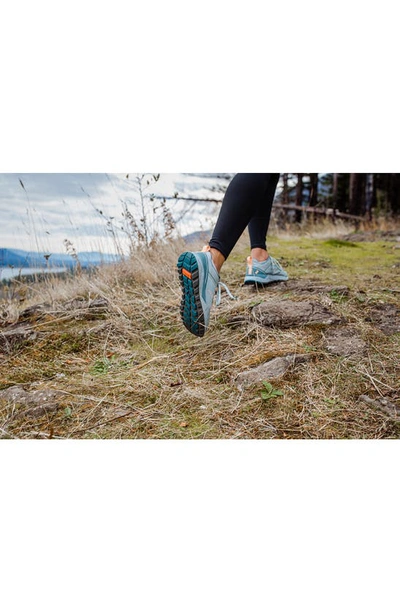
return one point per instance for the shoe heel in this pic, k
(190, 308)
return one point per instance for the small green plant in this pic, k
(101, 366)
(333, 402)
(336, 296)
(269, 391)
(361, 298)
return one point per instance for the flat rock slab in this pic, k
(312, 287)
(37, 311)
(13, 338)
(344, 341)
(34, 312)
(385, 405)
(269, 370)
(82, 303)
(35, 403)
(288, 313)
(386, 317)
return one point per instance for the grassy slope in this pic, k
(133, 371)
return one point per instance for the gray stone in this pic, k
(386, 317)
(35, 403)
(80, 308)
(99, 303)
(82, 303)
(344, 341)
(270, 370)
(288, 313)
(312, 287)
(13, 338)
(34, 312)
(385, 405)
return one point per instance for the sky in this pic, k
(39, 211)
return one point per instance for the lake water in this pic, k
(9, 273)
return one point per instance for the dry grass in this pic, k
(128, 369)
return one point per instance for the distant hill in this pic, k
(24, 259)
(200, 235)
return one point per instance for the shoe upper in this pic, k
(208, 282)
(264, 272)
(199, 280)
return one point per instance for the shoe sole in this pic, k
(256, 280)
(191, 311)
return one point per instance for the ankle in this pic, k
(217, 258)
(261, 255)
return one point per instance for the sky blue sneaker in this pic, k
(199, 279)
(262, 273)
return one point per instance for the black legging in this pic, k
(247, 202)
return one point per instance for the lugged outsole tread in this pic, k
(191, 310)
(260, 283)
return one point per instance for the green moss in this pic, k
(69, 341)
(334, 242)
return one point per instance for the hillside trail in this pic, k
(316, 357)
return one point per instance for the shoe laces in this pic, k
(219, 290)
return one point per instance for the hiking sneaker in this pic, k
(262, 273)
(199, 279)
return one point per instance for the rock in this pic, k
(386, 317)
(312, 287)
(34, 312)
(288, 313)
(82, 303)
(80, 308)
(344, 341)
(270, 370)
(383, 404)
(75, 304)
(236, 321)
(36, 403)
(99, 303)
(13, 338)
(8, 314)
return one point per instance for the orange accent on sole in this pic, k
(186, 273)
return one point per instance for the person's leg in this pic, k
(259, 222)
(263, 269)
(249, 196)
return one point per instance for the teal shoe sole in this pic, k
(191, 310)
(255, 280)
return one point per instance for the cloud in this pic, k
(50, 207)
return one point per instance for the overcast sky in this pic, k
(39, 211)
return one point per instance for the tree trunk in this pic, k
(285, 194)
(335, 193)
(313, 199)
(394, 196)
(369, 195)
(356, 195)
(299, 196)
(283, 217)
